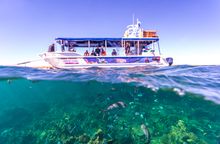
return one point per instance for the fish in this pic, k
(9, 81)
(179, 91)
(122, 104)
(118, 104)
(146, 133)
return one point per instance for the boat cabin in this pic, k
(105, 46)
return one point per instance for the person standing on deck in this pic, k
(93, 53)
(97, 51)
(114, 53)
(62, 47)
(103, 52)
(51, 48)
(127, 48)
(86, 53)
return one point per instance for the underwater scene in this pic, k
(141, 105)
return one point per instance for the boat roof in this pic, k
(109, 39)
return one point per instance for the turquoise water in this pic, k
(177, 105)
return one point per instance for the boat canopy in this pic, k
(109, 39)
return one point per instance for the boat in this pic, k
(137, 47)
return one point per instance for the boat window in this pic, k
(97, 43)
(113, 43)
(79, 43)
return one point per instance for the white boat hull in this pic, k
(62, 61)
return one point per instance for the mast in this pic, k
(133, 19)
(159, 47)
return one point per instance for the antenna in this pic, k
(133, 19)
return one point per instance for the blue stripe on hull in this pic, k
(106, 60)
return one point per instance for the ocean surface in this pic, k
(169, 105)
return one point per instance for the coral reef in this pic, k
(80, 118)
(180, 134)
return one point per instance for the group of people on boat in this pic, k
(99, 52)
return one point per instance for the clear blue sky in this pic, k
(189, 30)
